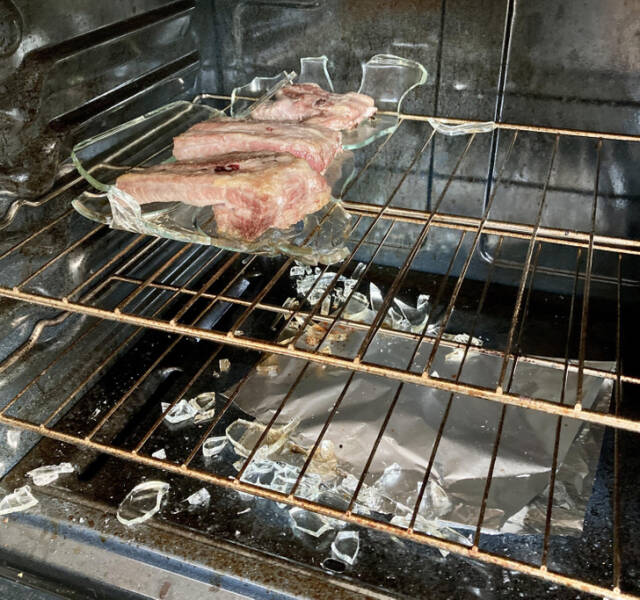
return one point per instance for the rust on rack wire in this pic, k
(552, 235)
(84, 300)
(328, 359)
(359, 325)
(256, 490)
(558, 431)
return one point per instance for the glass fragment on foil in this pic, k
(19, 500)
(312, 285)
(324, 460)
(204, 406)
(142, 502)
(201, 498)
(269, 366)
(244, 435)
(346, 546)
(159, 454)
(401, 315)
(309, 487)
(49, 473)
(307, 522)
(214, 445)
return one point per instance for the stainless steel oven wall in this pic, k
(70, 68)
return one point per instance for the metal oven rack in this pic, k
(85, 298)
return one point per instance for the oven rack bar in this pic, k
(547, 406)
(623, 137)
(472, 552)
(586, 243)
(185, 467)
(85, 299)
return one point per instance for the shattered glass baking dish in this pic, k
(319, 238)
(385, 78)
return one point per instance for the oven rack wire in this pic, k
(84, 299)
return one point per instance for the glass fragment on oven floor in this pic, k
(346, 546)
(182, 411)
(201, 498)
(308, 522)
(204, 406)
(214, 445)
(160, 454)
(49, 473)
(19, 500)
(142, 502)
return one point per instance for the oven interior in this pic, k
(524, 236)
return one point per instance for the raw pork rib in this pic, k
(317, 145)
(308, 102)
(249, 191)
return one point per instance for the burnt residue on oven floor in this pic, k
(388, 564)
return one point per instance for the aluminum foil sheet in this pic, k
(518, 494)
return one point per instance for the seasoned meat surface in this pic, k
(250, 192)
(315, 144)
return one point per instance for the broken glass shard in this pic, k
(358, 271)
(49, 473)
(19, 500)
(269, 366)
(415, 317)
(308, 522)
(390, 478)
(160, 454)
(463, 338)
(324, 460)
(214, 445)
(375, 297)
(142, 502)
(357, 307)
(346, 546)
(309, 487)
(182, 411)
(297, 271)
(200, 498)
(325, 309)
(204, 406)
(224, 364)
(457, 354)
(13, 438)
(244, 435)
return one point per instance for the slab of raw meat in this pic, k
(308, 102)
(317, 145)
(249, 191)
